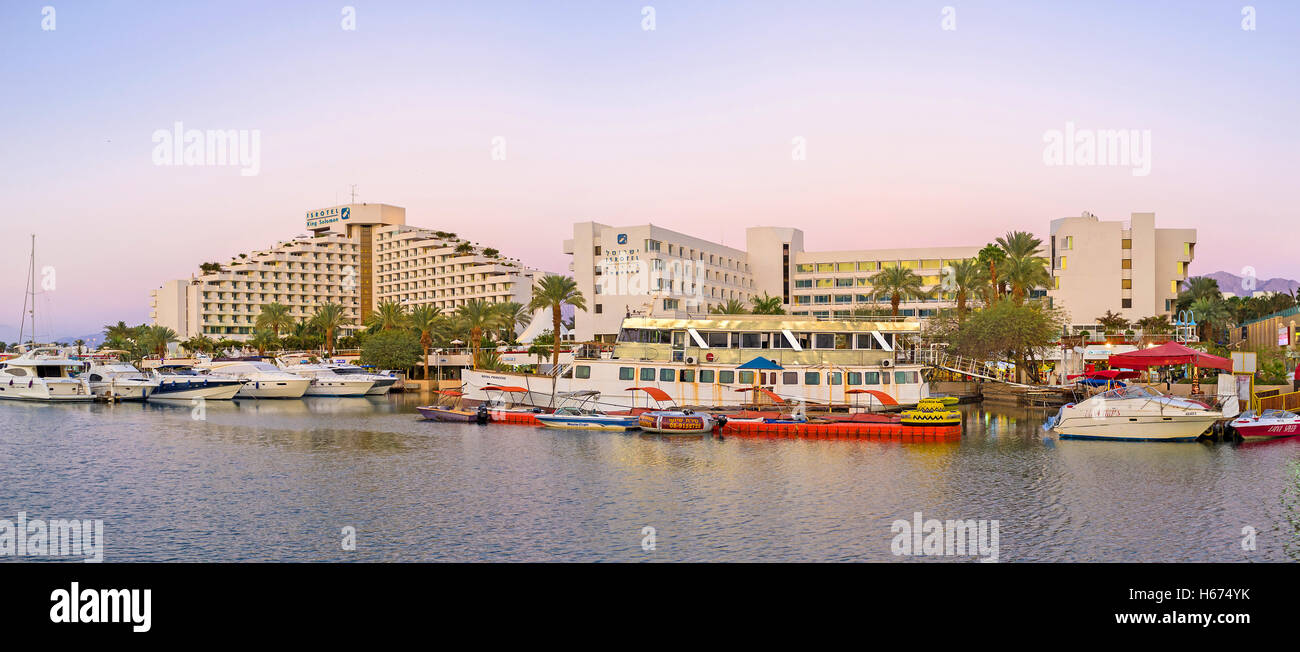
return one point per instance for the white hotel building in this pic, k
(1131, 267)
(357, 255)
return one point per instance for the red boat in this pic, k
(1272, 423)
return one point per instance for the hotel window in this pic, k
(1126, 283)
(652, 245)
(582, 371)
(798, 299)
(1188, 248)
(932, 264)
(910, 264)
(822, 298)
(930, 280)
(666, 374)
(1061, 263)
(825, 282)
(670, 304)
(825, 267)
(647, 373)
(626, 373)
(1126, 243)
(844, 298)
(843, 282)
(862, 282)
(846, 267)
(747, 378)
(1056, 282)
(888, 264)
(687, 376)
(868, 266)
(1173, 287)
(1126, 263)
(1126, 303)
(726, 377)
(706, 375)
(812, 378)
(803, 283)
(805, 267)
(600, 309)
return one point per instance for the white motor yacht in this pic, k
(43, 374)
(183, 383)
(261, 379)
(1134, 413)
(118, 380)
(382, 382)
(324, 382)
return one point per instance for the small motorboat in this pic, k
(1269, 424)
(450, 408)
(672, 420)
(506, 400)
(1134, 413)
(182, 383)
(576, 413)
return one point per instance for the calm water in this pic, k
(278, 480)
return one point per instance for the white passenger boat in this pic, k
(702, 361)
(324, 382)
(118, 380)
(382, 382)
(261, 379)
(43, 374)
(1134, 413)
(183, 383)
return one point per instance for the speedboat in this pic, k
(43, 374)
(183, 383)
(117, 380)
(261, 379)
(450, 407)
(324, 382)
(1134, 413)
(504, 401)
(382, 382)
(1267, 425)
(672, 420)
(574, 413)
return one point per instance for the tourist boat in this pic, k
(577, 412)
(1267, 425)
(702, 360)
(43, 374)
(1134, 413)
(111, 378)
(672, 420)
(383, 382)
(324, 382)
(183, 383)
(450, 407)
(261, 379)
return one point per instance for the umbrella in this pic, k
(762, 364)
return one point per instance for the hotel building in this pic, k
(1131, 268)
(357, 256)
(653, 271)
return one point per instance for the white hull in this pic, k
(1140, 428)
(219, 393)
(274, 389)
(124, 390)
(55, 392)
(320, 387)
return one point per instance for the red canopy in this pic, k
(1171, 353)
(509, 389)
(654, 392)
(767, 392)
(1107, 374)
(883, 397)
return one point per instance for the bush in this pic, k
(391, 350)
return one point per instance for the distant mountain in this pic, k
(1234, 284)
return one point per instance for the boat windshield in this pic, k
(1278, 414)
(1130, 392)
(178, 371)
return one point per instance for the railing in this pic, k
(1288, 401)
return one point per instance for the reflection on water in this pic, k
(279, 479)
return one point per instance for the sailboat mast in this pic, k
(31, 274)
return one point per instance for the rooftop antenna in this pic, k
(354, 193)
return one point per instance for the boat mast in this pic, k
(29, 309)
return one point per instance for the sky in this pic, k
(866, 124)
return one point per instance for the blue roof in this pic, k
(761, 363)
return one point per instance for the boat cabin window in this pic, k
(904, 377)
(647, 373)
(49, 371)
(666, 374)
(687, 376)
(812, 378)
(626, 373)
(706, 375)
(16, 371)
(753, 340)
(790, 378)
(779, 341)
(824, 340)
(871, 378)
(726, 377)
(836, 378)
(644, 336)
(747, 378)
(715, 340)
(865, 341)
(582, 371)
(855, 378)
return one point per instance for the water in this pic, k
(279, 480)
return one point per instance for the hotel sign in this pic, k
(320, 218)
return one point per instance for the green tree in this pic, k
(273, 317)
(965, 278)
(1197, 287)
(209, 268)
(897, 283)
(731, 307)
(766, 305)
(1008, 330)
(329, 319)
(991, 258)
(392, 349)
(426, 320)
(1155, 324)
(477, 316)
(387, 316)
(514, 316)
(464, 248)
(553, 291)
(263, 340)
(1023, 269)
(1210, 314)
(1113, 321)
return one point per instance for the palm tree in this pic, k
(898, 283)
(199, 344)
(1113, 321)
(264, 339)
(328, 319)
(274, 316)
(514, 315)
(991, 257)
(1023, 270)
(477, 316)
(426, 320)
(158, 337)
(388, 315)
(731, 307)
(965, 277)
(118, 330)
(552, 292)
(1195, 288)
(767, 305)
(1210, 313)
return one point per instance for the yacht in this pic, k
(712, 361)
(1134, 413)
(183, 383)
(43, 374)
(260, 379)
(324, 382)
(118, 380)
(382, 382)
